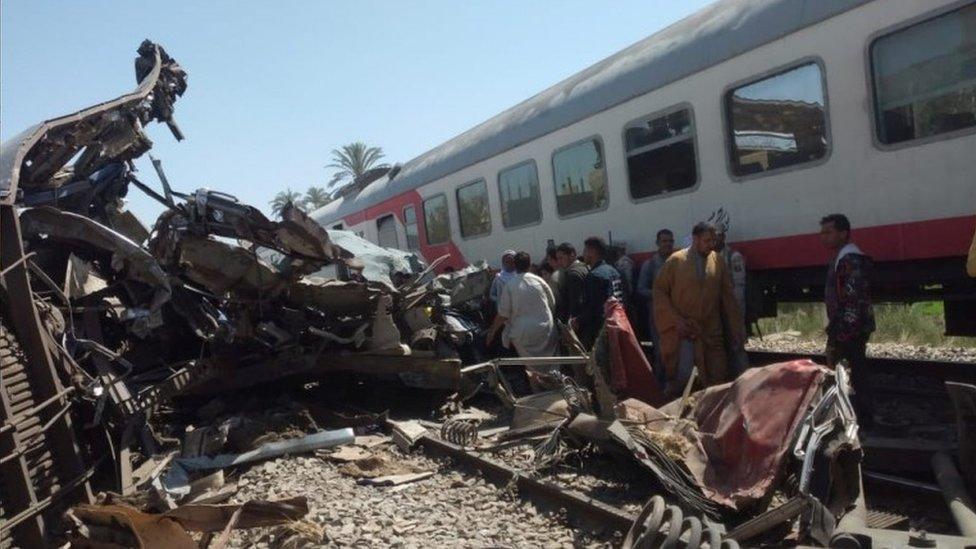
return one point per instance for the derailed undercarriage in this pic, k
(103, 321)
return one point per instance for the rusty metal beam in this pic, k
(39, 506)
(15, 480)
(42, 382)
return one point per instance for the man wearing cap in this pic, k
(503, 276)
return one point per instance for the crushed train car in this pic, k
(102, 318)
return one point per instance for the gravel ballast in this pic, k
(789, 342)
(449, 509)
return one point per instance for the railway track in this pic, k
(939, 369)
(544, 494)
(587, 510)
(592, 513)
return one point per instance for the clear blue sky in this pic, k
(275, 86)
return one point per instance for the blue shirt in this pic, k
(601, 283)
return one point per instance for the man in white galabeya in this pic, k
(525, 311)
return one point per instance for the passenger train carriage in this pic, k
(777, 111)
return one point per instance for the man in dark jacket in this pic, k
(572, 273)
(600, 284)
(850, 317)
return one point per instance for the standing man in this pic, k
(738, 360)
(691, 293)
(645, 282)
(503, 276)
(572, 273)
(601, 283)
(850, 317)
(625, 266)
(736, 264)
(557, 272)
(525, 310)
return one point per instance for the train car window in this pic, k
(337, 226)
(778, 121)
(925, 78)
(661, 154)
(410, 227)
(518, 188)
(580, 178)
(473, 213)
(386, 232)
(436, 219)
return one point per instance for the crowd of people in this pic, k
(690, 303)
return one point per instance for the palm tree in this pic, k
(316, 197)
(354, 160)
(284, 198)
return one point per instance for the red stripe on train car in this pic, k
(929, 239)
(395, 206)
(933, 238)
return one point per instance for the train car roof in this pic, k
(718, 32)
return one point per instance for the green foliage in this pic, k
(914, 324)
(807, 318)
(353, 160)
(316, 197)
(281, 199)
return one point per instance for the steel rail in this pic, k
(545, 494)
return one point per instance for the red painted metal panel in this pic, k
(395, 206)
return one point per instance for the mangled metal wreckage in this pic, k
(101, 319)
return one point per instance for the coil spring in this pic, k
(460, 431)
(663, 526)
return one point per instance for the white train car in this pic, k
(778, 111)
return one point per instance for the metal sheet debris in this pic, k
(177, 478)
(118, 525)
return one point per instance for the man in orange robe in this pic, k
(691, 294)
